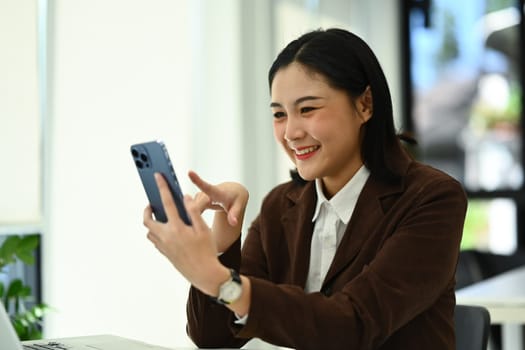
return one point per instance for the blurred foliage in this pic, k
(476, 225)
(450, 47)
(486, 117)
(514, 107)
(15, 295)
(495, 5)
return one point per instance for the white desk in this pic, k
(504, 297)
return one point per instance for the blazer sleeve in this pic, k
(413, 267)
(208, 323)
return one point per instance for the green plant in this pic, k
(15, 295)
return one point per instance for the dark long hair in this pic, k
(349, 64)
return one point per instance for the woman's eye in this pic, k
(307, 109)
(279, 114)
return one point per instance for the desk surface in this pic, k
(502, 295)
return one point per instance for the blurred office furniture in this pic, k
(472, 325)
(504, 297)
(475, 266)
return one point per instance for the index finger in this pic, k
(204, 186)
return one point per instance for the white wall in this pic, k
(123, 72)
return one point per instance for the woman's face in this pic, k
(318, 126)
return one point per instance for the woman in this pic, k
(357, 252)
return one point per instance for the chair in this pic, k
(469, 269)
(472, 327)
(475, 266)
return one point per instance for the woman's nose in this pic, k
(294, 130)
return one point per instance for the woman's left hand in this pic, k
(190, 249)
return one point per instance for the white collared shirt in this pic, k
(331, 218)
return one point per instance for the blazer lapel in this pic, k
(297, 223)
(369, 210)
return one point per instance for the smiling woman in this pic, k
(361, 253)
(315, 120)
(121, 72)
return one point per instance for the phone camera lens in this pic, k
(144, 157)
(139, 164)
(134, 153)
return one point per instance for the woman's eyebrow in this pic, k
(299, 100)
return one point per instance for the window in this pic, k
(20, 202)
(464, 98)
(20, 134)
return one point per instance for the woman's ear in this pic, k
(365, 105)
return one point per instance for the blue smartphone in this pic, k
(150, 158)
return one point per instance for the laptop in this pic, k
(9, 340)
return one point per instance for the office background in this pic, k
(80, 81)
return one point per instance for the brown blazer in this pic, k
(390, 285)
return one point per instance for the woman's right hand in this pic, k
(229, 200)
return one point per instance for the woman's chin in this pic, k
(306, 175)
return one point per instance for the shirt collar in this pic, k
(343, 202)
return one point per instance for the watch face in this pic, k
(230, 291)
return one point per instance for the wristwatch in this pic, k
(230, 290)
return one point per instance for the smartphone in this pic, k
(150, 158)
